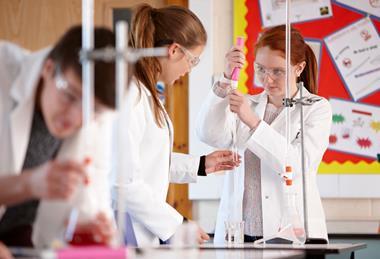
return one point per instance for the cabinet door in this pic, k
(35, 24)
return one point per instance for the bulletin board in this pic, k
(348, 75)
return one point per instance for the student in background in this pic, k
(149, 129)
(40, 132)
(261, 135)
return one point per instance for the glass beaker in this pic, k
(234, 232)
(186, 236)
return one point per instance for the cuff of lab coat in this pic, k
(245, 134)
(222, 86)
(173, 229)
(184, 168)
(202, 166)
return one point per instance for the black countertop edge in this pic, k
(353, 235)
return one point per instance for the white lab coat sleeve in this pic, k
(142, 203)
(215, 124)
(269, 145)
(102, 162)
(184, 168)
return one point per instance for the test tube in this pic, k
(234, 80)
(234, 84)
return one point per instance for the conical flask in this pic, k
(291, 227)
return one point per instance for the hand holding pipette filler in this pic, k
(236, 71)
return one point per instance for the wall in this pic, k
(359, 215)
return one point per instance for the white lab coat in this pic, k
(151, 166)
(268, 142)
(19, 75)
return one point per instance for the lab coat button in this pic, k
(266, 197)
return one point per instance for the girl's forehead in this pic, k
(269, 58)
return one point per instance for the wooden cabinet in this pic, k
(177, 106)
(35, 24)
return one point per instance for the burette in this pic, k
(288, 103)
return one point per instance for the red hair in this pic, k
(274, 38)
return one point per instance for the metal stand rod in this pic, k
(287, 75)
(289, 102)
(304, 182)
(121, 83)
(87, 65)
(87, 95)
(130, 55)
(122, 54)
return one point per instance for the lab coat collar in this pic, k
(166, 115)
(263, 96)
(142, 87)
(23, 92)
(25, 84)
(261, 101)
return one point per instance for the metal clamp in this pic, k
(289, 102)
(109, 54)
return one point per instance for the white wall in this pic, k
(216, 18)
(360, 215)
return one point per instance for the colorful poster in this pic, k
(355, 51)
(316, 46)
(273, 11)
(355, 128)
(343, 170)
(371, 7)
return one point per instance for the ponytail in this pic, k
(147, 70)
(309, 74)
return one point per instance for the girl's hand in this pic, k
(240, 105)
(234, 58)
(221, 160)
(56, 179)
